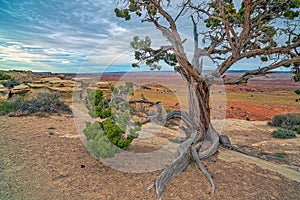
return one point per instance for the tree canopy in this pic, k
(257, 28)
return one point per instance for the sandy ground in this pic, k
(44, 158)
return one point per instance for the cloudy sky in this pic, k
(70, 36)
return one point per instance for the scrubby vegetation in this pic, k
(7, 80)
(298, 93)
(10, 83)
(283, 133)
(4, 76)
(106, 138)
(43, 103)
(289, 121)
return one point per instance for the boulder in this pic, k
(20, 89)
(3, 92)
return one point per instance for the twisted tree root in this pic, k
(176, 167)
(202, 168)
(186, 149)
(225, 141)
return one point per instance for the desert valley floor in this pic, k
(44, 158)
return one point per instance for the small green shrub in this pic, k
(112, 88)
(10, 84)
(105, 138)
(5, 108)
(176, 140)
(95, 97)
(283, 133)
(289, 121)
(4, 76)
(297, 92)
(168, 110)
(192, 160)
(280, 154)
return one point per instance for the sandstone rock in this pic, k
(64, 89)
(50, 79)
(61, 76)
(36, 85)
(103, 85)
(3, 92)
(19, 89)
(81, 79)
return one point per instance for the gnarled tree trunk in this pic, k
(203, 139)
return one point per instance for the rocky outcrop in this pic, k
(3, 92)
(20, 89)
(70, 90)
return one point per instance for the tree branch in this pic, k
(251, 74)
(195, 61)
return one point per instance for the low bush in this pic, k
(5, 108)
(42, 103)
(10, 83)
(176, 140)
(4, 76)
(280, 154)
(283, 133)
(105, 138)
(289, 121)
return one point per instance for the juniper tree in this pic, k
(267, 29)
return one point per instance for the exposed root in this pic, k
(202, 168)
(181, 114)
(186, 149)
(175, 168)
(214, 137)
(225, 141)
(265, 157)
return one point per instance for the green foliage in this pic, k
(101, 147)
(98, 105)
(4, 76)
(95, 97)
(283, 133)
(192, 160)
(168, 110)
(176, 140)
(145, 55)
(298, 131)
(123, 14)
(42, 103)
(264, 59)
(10, 83)
(280, 154)
(290, 121)
(105, 138)
(112, 88)
(297, 92)
(5, 108)
(92, 130)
